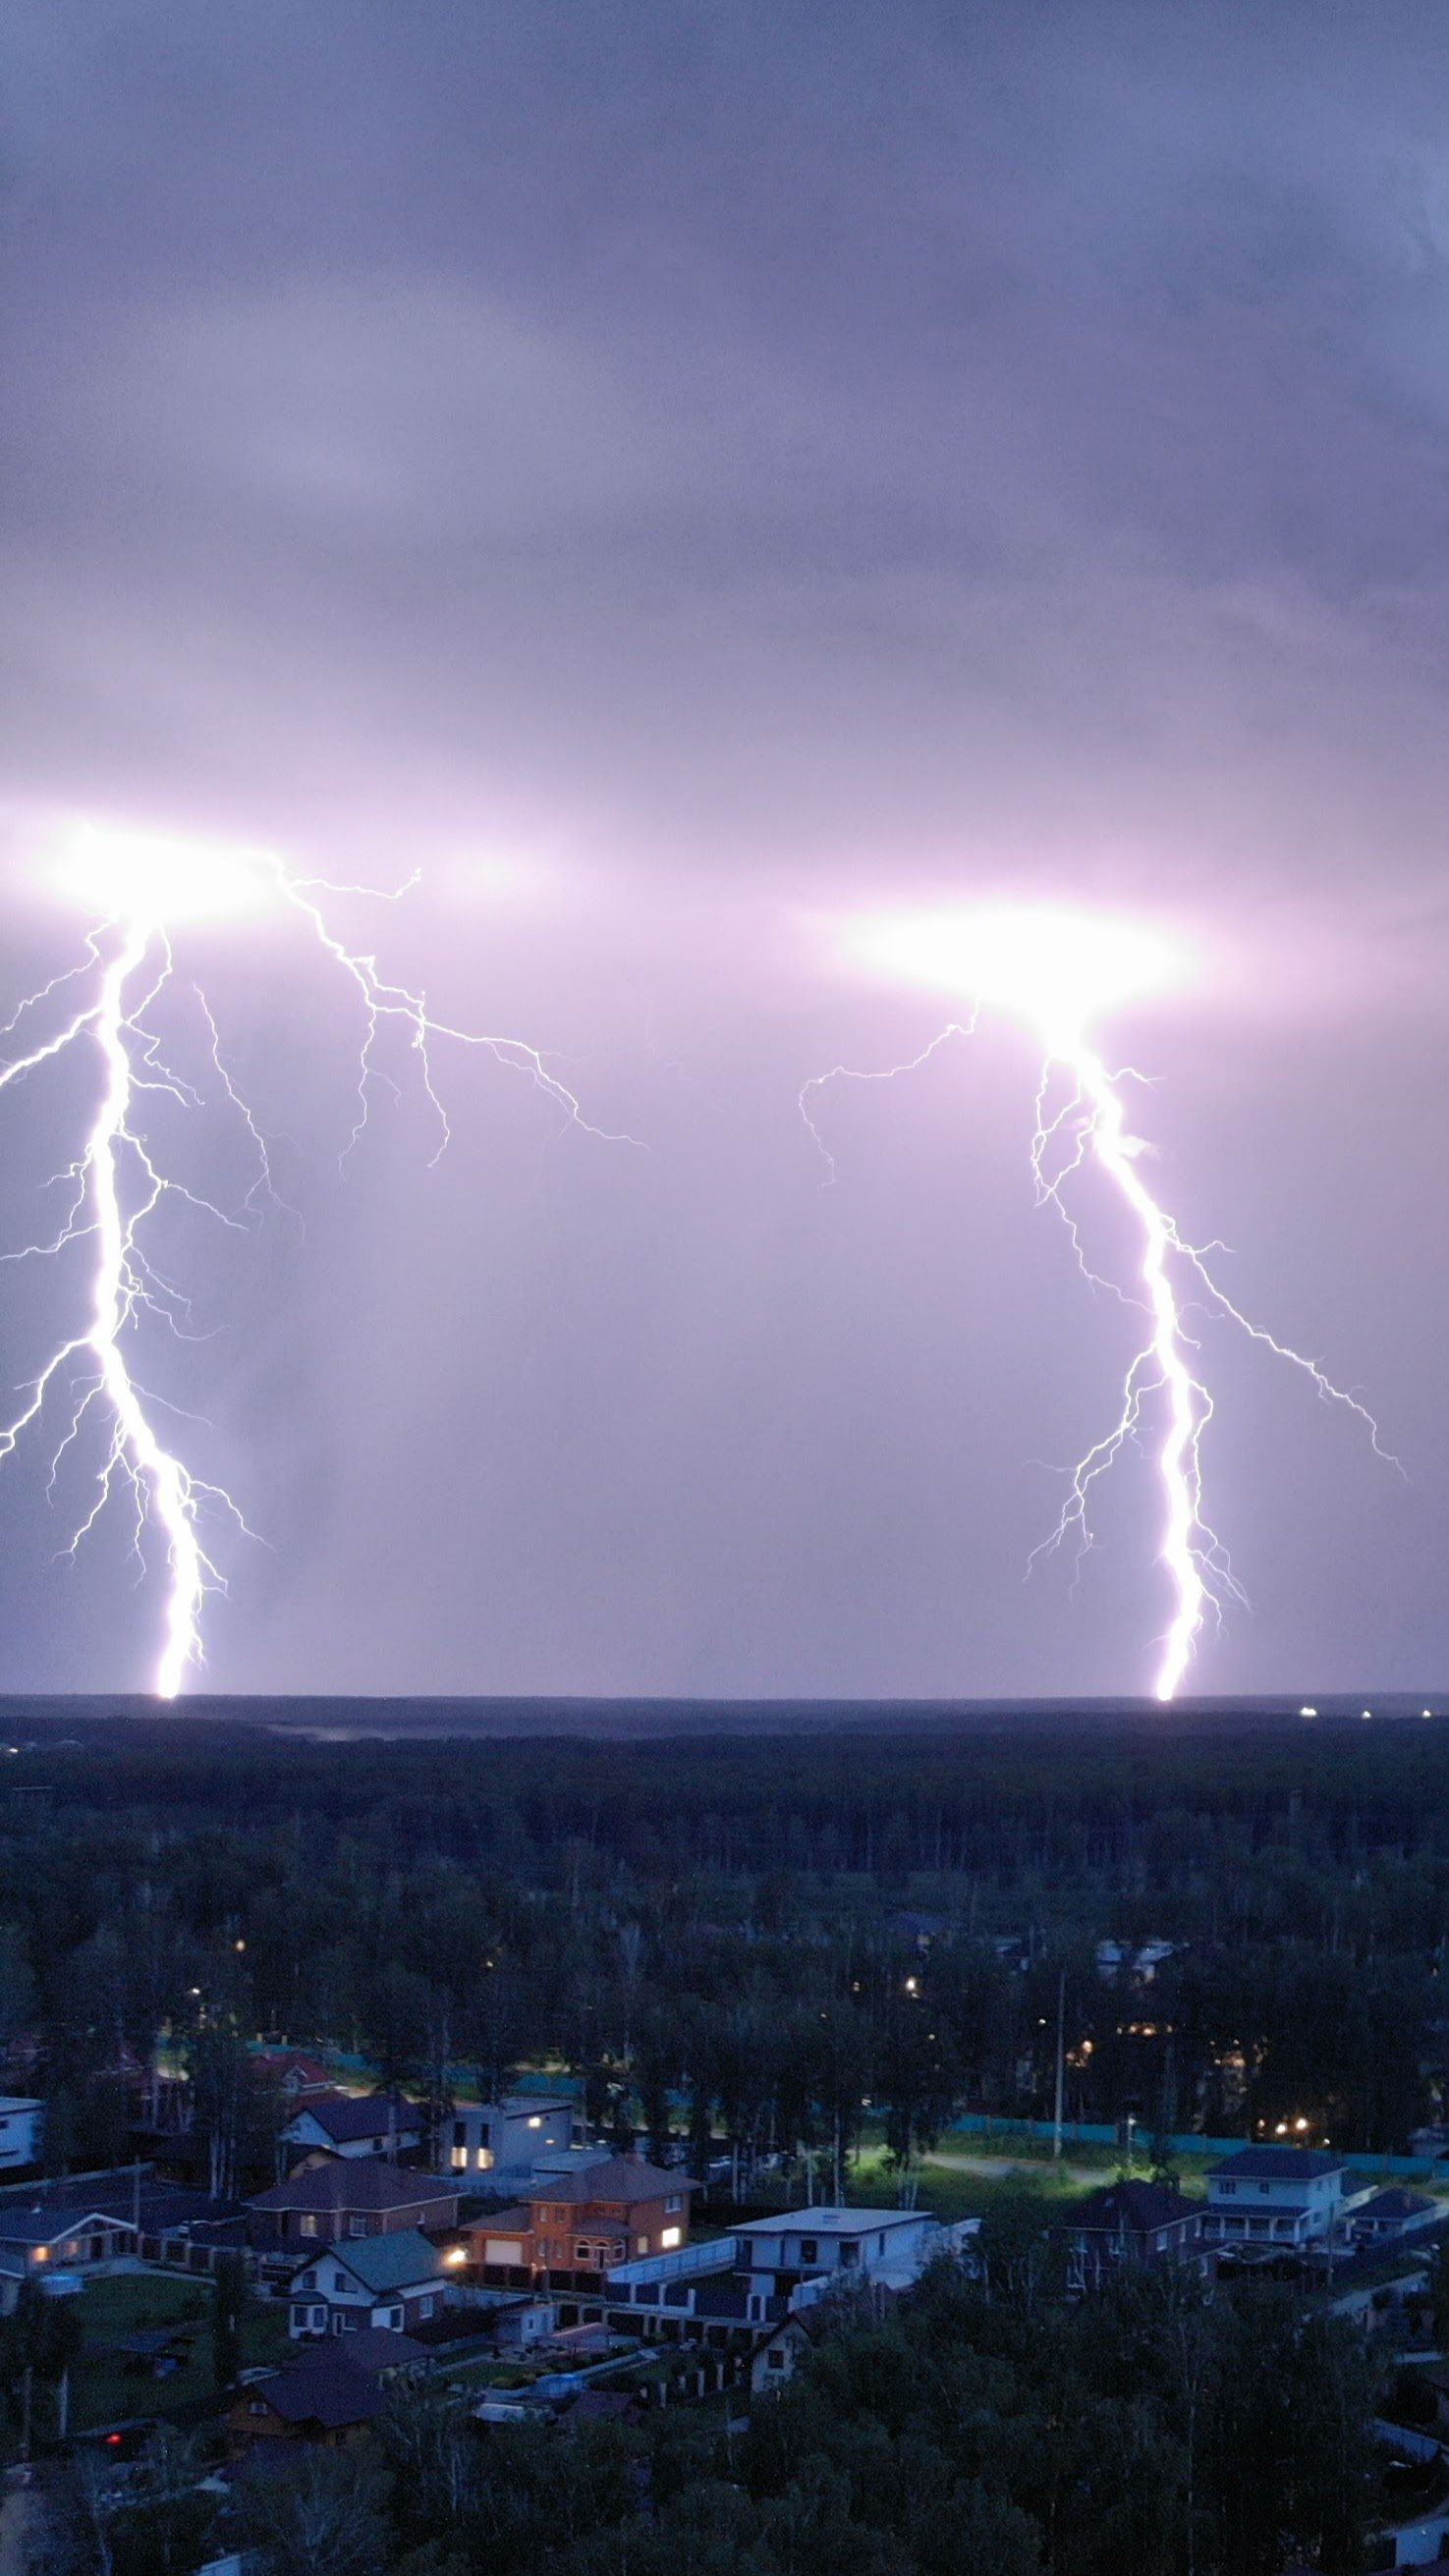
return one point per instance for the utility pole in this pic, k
(1061, 2067)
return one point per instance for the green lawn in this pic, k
(960, 2182)
(104, 2388)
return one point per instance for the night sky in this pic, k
(680, 476)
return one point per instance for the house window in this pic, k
(775, 2361)
(307, 2224)
(339, 2281)
(427, 2305)
(1265, 2188)
(460, 2160)
(357, 2227)
(809, 2250)
(641, 2244)
(880, 2245)
(669, 2238)
(675, 2201)
(850, 2249)
(460, 2133)
(309, 2279)
(583, 2253)
(1227, 2186)
(257, 2406)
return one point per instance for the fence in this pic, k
(1186, 2142)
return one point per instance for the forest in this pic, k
(757, 1944)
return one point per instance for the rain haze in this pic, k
(680, 479)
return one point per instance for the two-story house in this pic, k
(1281, 2196)
(511, 2135)
(1130, 2222)
(353, 2124)
(579, 2225)
(395, 2283)
(348, 2198)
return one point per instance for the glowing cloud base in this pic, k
(1062, 972)
(138, 889)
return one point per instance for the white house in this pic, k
(22, 2125)
(511, 2136)
(890, 2245)
(354, 2124)
(396, 2282)
(1288, 2196)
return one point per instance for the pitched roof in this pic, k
(1278, 2164)
(1396, 2202)
(325, 2388)
(360, 2183)
(396, 2262)
(614, 2181)
(1138, 2206)
(345, 2117)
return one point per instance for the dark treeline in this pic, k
(761, 1940)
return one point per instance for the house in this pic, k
(395, 2283)
(351, 2197)
(512, 2134)
(43, 2242)
(1129, 2222)
(353, 2124)
(890, 2245)
(22, 2128)
(1138, 1961)
(1285, 2196)
(608, 2212)
(293, 2071)
(777, 2359)
(1389, 2214)
(327, 2397)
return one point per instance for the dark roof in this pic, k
(1279, 2164)
(325, 2388)
(1396, 2202)
(617, 2179)
(360, 2183)
(49, 2226)
(377, 2348)
(1138, 2206)
(503, 2222)
(395, 2262)
(600, 2405)
(346, 2117)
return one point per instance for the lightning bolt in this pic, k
(116, 1184)
(1089, 1129)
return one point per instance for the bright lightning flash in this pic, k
(138, 887)
(1062, 973)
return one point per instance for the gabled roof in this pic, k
(325, 2388)
(1396, 2202)
(397, 2262)
(1277, 2164)
(345, 2117)
(1139, 2207)
(48, 2226)
(615, 2181)
(361, 2183)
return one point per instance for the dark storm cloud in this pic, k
(746, 462)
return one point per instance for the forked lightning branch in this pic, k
(1063, 974)
(105, 1444)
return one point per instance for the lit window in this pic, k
(670, 2237)
(535, 2122)
(307, 2224)
(460, 2160)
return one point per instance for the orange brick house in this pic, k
(586, 2222)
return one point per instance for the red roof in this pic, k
(620, 2181)
(356, 2183)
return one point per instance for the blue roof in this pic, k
(1278, 2164)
